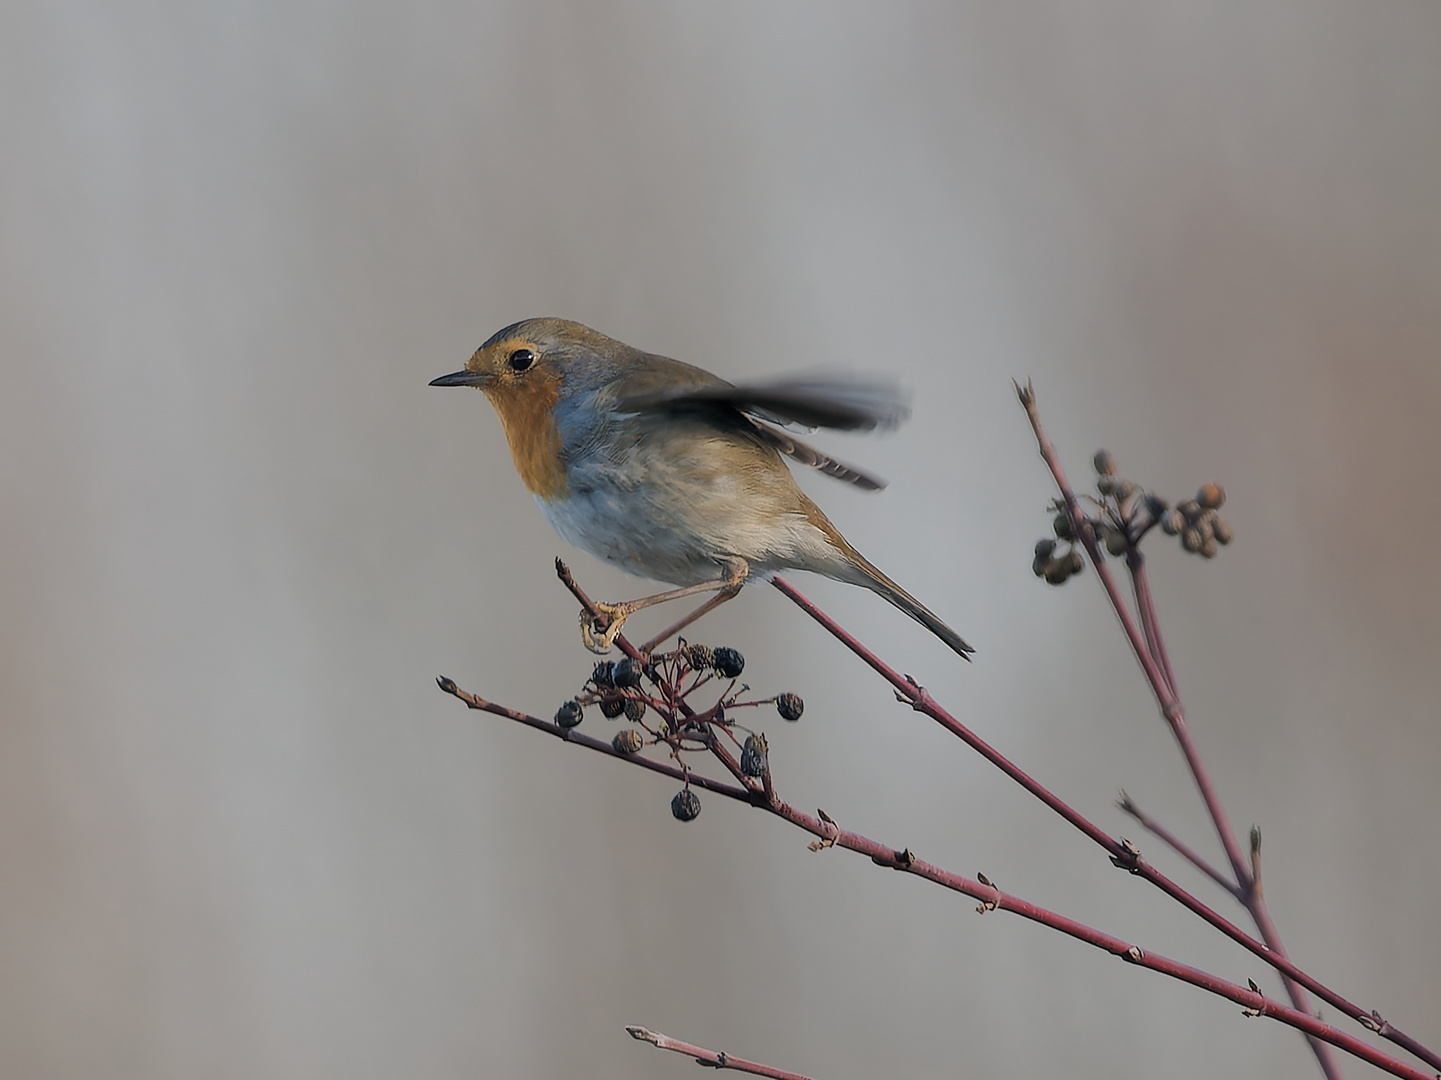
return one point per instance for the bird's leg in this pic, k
(710, 605)
(727, 585)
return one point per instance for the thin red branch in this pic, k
(1150, 651)
(1252, 1001)
(715, 1059)
(1151, 825)
(920, 700)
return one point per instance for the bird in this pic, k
(675, 474)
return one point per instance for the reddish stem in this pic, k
(715, 1059)
(1164, 834)
(920, 700)
(1252, 1001)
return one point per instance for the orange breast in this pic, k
(526, 413)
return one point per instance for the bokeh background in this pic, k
(241, 832)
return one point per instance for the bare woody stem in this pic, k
(755, 793)
(1150, 651)
(1121, 855)
(1177, 845)
(715, 1059)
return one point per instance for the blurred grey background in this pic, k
(241, 832)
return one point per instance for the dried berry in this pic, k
(634, 710)
(1126, 488)
(612, 707)
(685, 806)
(1074, 563)
(628, 741)
(699, 656)
(728, 662)
(1063, 526)
(1106, 484)
(1191, 539)
(625, 674)
(569, 714)
(1191, 508)
(604, 674)
(1172, 522)
(1209, 547)
(1222, 531)
(1045, 547)
(1057, 571)
(1105, 464)
(1211, 496)
(790, 706)
(753, 755)
(1116, 542)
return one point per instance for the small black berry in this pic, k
(790, 706)
(625, 674)
(685, 806)
(612, 707)
(604, 674)
(699, 656)
(753, 755)
(569, 714)
(729, 662)
(634, 710)
(628, 741)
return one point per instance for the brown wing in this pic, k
(808, 455)
(831, 401)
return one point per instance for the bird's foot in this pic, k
(599, 631)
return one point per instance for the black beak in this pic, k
(459, 378)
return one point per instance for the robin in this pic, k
(674, 474)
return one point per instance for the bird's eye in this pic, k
(521, 359)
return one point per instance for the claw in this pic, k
(588, 625)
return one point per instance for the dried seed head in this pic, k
(634, 710)
(1211, 496)
(612, 707)
(628, 741)
(1105, 464)
(569, 714)
(1172, 522)
(685, 806)
(1222, 531)
(729, 662)
(790, 706)
(753, 755)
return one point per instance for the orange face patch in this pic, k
(525, 407)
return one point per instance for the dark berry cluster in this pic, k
(656, 695)
(1123, 514)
